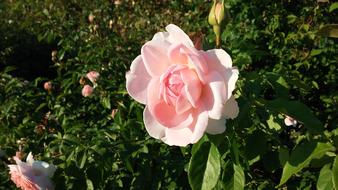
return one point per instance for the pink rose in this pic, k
(186, 91)
(290, 121)
(32, 175)
(93, 76)
(47, 85)
(87, 90)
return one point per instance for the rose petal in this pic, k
(137, 80)
(154, 128)
(219, 60)
(177, 137)
(182, 105)
(177, 35)
(231, 108)
(155, 58)
(161, 36)
(216, 126)
(30, 160)
(192, 86)
(213, 95)
(165, 114)
(202, 122)
(44, 167)
(175, 54)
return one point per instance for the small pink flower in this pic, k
(32, 175)
(93, 76)
(290, 121)
(87, 90)
(47, 86)
(91, 18)
(186, 91)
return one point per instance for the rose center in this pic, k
(171, 84)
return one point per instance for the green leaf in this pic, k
(90, 185)
(325, 178)
(301, 157)
(335, 173)
(272, 124)
(204, 167)
(297, 110)
(106, 103)
(237, 182)
(329, 30)
(239, 177)
(333, 7)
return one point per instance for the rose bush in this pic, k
(186, 91)
(32, 175)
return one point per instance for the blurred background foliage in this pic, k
(286, 68)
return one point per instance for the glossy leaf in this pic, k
(325, 178)
(301, 157)
(204, 167)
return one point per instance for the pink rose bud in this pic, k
(32, 175)
(93, 76)
(290, 121)
(91, 18)
(186, 91)
(47, 86)
(113, 113)
(87, 90)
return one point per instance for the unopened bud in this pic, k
(91, 18)
(110, 24)
(47, 86)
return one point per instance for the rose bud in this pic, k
(113, 113)
(47, 86)
(87, 90)
(93, 76)
(91, 18)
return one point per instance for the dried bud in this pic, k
(113, 113)
(82, 81)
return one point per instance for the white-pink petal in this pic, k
(177, 35)
(216, 126)
(231, 108)
(154, 128)
(137, 80)
(155, 58)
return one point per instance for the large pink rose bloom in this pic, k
(186, 91)
(32, 175)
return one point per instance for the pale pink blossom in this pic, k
(47, 86)
(32, 175)
(186, 91)
(290, 121)
(87, 90)
(91, 18)
(93, 76)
